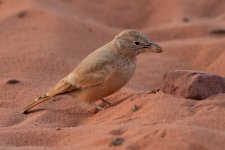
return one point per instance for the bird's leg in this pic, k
(110, 104)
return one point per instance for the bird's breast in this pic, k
(126, 67)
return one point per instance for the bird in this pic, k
(104, 71)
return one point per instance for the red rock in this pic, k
(193, 84)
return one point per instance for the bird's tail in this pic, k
(37, 101)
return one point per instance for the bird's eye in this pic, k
(137, 43)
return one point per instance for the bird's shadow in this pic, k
(104, 105)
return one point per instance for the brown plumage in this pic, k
(104, 71)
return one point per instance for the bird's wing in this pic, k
(85, 75)
(61, 87)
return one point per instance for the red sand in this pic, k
(42, 41)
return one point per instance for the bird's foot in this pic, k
(153, 91)
(101, 106)
(97, 107)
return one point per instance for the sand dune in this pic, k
(42, 41)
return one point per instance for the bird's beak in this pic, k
(152, 47)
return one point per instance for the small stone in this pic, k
(117, 142)
(218, 32)
(22, 14)
(89, 29)
(58, 129)
(134, 108)
(13, 81)
(185, 19)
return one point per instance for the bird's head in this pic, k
(132, 43)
